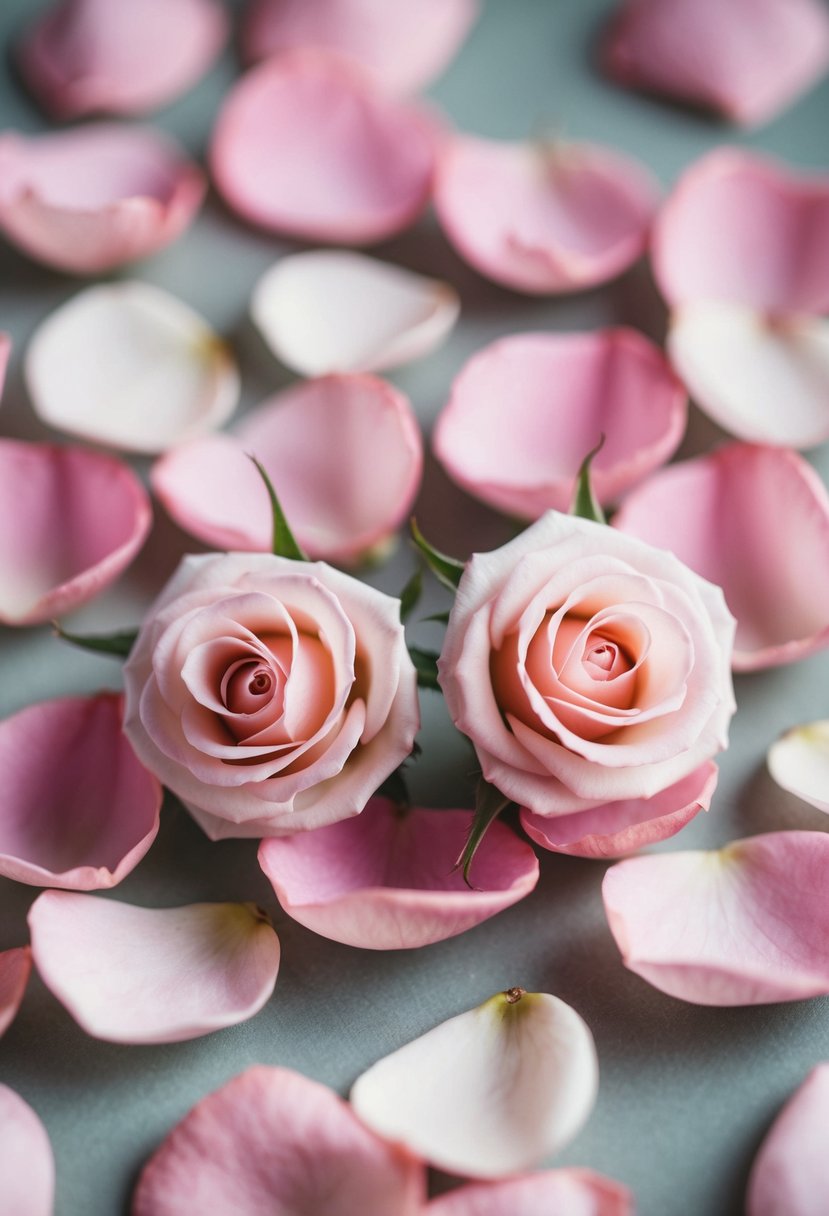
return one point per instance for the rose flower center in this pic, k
(247, 686)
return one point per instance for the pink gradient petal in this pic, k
(15, 967)
(339, 508)
(799, 763)
(95, 197)
(74, 520)
(306, 145)
(741, 228)
(565, 391)
(385, 879)
(95, 56)
(91, 827)
(27, 1165)
(153, 975)
(619, 828)
(403, 46)
(790, 1176)
(746, 925)
(570, 1192)
(272, 1142)
(543, 218)
(750, 519)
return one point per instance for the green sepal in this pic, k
(410, 595)
(284, 543)
(489, 803)
(426, 666)
(584, 504)
(116, 645)
(447, 570)
(442, 618)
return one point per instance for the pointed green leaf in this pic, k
(489, 803)
(585, 505)
(426, 666)
(447, 570)
(118, 645)
(410, 595)
(284, 543)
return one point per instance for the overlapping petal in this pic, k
(15, 967)
(799, 762)
(744, 925)
(790, 1176)
(307, 146)
(153, 975)
(571, 1192)
(72, 521)
(27, 1164)
(131, 366)
(565, 392)
(271, 1141)
(89, 199)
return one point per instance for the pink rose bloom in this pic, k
(270, 695)
(587, 667)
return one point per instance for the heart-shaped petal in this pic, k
(790, 1176)
(571, 1192)
(27, 1165)
(271, 1141)
(15, 967)
(731, 516)
(565, 391)
(73, 521)
(128, 365)
(490, 1092)
(95, 197)
(306, 145)
(745, 925)
(799, 762)
(153, 975)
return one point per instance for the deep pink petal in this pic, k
(790, 1176)
(305, 145)
(27, 1165)
(74, 520)
(15, 966)
(750, 519)
(95, 197)
(570, 1192)
(746, 925)
(153, 975)
(565, 391)
(270, 1142)
(92, 56)
(385, 879)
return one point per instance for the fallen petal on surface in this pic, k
(27, 1164)
(15, 968)
(790, 1176)
(799, 762)
(570, 1192)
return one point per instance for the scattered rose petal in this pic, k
(270, 1142)
(546, 217)
(27, 1165)
(744, 925)
(337, 311)
(618, 828)
(571, 1192)
(565, 392)
(127, 364)
(799, 762)
(92, 56)
(74, 520)
(344, 497)
(95, 197)
(747, 59)
(732, 516)
(489, 1092)
(385, 880)
(15, 967)
(403, 45)
(90, 827)
(790, 1176)
(305, 145)
(153, 975)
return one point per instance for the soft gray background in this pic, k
(687, 1093)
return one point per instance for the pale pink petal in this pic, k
(741, 228)
(338, 311)
(95, 197)
(750, 519)
(570, 1192)
(546, 217)
(618, 828)
(74, 520)
(306, 145)
(15, 967)
(339, 508)
(489, 1092)
(27, 1165)
(790, 1176)
(94, 56)
(745, 925)
(386, 879)
(5, 352)
(747, 59)
(128, 365)
(403, 45)
(565, 392)
(92, 824)
(799, 762)
(153, 975)
(272, 1142)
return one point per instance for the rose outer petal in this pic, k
(569, 1192)
(27, 1165)
(15, 967)
(790, 1175)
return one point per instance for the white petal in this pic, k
(799, 762)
